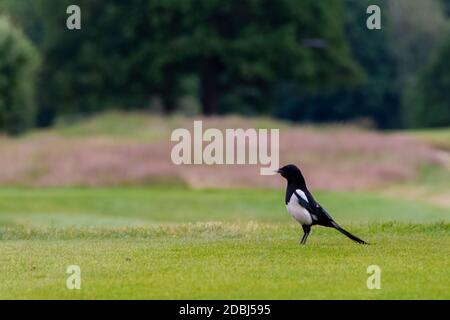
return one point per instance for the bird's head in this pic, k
(292, 174)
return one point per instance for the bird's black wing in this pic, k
(305, 203)
(322, 216)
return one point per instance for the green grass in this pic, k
(434, 178)
(439, 137)
(141, 206)
(139, 126)
(136, 126)
(180, 244)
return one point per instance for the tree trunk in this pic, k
(169, 104)
(209, 89)
(169, 93)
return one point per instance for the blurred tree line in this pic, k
(306, 60)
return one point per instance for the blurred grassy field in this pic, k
(181, 244)
(438, 137)
(124, 149)
(158, 239)
(141, 127)
(81, 207)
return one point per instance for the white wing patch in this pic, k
(302, 195)
(297, 211)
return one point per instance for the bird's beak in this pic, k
(277, 171)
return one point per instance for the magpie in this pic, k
(302, 206)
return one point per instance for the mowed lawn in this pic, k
(176, 243)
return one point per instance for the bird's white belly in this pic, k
(298, 212)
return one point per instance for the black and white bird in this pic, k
(302, 206)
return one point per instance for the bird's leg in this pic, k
(303, 238)
(306, 237)
(306, 230)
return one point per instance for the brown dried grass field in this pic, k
(134, 149)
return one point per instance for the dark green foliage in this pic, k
(446, 6)
(110, 62)
(129, 51)
(18, 66)
(249, 46)
(246, 57)
(429, 99)
(376, 99)
(23, 13)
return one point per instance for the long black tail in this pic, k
(348, 234)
